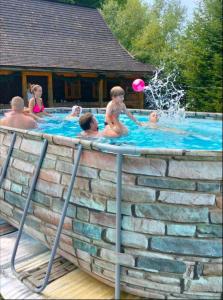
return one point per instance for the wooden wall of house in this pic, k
(91, 90)
(68, 89)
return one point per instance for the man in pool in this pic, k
(114, 108)
(89, 124)
(16, 117)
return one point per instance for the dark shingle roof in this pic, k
(46, 34)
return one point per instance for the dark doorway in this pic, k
(43, 81)
(10, 86)
(58, 88)
(87, 90)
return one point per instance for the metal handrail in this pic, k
(5, 166)
(28, 200)
(59, 229)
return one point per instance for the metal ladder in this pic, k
(119, 157)
(60, 226)
(6, 163)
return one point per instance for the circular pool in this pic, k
(191, 133)
(171, 207)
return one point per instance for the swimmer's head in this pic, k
(117, 93)
(36, 90)
(17, 104)
(153, 117)
(88, 122)
(76, 111)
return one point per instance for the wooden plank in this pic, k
(50, 90)
(24, 84)
(5, 72)
(65, 284)
(101, 92)
(6, 228)
(36, 73)
(27, 248)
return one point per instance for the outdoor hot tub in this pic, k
(171, 210)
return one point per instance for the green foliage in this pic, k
(155, 34)
(199, 58)
(126, 20)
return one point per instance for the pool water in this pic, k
(191, 133)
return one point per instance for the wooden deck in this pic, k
(66, 280)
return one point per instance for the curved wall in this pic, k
(171, 213)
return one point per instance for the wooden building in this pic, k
(67, 49)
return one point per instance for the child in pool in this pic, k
(75, 113)
(154, 119)
(113, 127)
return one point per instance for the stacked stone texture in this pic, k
(171, 214)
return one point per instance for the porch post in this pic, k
(101, 92)
(50, 90)
(24, 85)
(141, 100)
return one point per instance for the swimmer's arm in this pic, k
(130, 115)
(2, 122)
(46, 113)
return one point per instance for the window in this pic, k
(89, 90)
(72, 90)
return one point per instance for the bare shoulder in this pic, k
(109, 104)
(109, 107)
(31, 101)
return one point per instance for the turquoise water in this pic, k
(191, 134)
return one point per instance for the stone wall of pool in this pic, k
(171, 212)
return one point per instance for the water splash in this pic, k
(163, 96)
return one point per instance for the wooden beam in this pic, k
(141, 100)
(66, 74)
(50, 90)
(36, 73)
(24, 85)
(5, 72)
(101, 92)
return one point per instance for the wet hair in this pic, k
(86, 120)
(34, 87)
(17, 102)
(117, 91)
(152, 112)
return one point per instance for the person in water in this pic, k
(89, 124)
(152, 120)
(113, 127)
(16, 117)
(153, 124)
(75, 113)
(36, 106)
